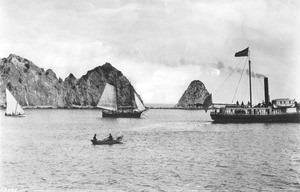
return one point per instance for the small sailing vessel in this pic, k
(111, 108)
(13, 108)
(279, 110)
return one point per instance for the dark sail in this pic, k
(243, 53)
(207, 102)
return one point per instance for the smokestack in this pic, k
(267, 97)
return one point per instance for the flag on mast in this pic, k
(243, 53)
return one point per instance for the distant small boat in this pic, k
(13, 108)
(107, 141)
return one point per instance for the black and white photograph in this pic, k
(149, 95)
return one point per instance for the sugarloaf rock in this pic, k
(194, 96)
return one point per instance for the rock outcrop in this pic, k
(34, 87)
(194, 96)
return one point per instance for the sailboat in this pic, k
(109, 103)
(277, 111)
(13, 108)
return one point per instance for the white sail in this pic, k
(138, 102)
(108, 98)
(12, 106)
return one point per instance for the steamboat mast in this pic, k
(250, 80)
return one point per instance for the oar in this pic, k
(120, 138)
(144, 115)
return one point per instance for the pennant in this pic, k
(243, 53)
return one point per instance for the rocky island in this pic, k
(196, 96)
(35, 87)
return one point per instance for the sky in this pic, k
(161, 46)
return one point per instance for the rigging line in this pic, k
(256, 75)
(256, 90)
(259, 79)
(260, 83)
(242, 89)
(247, 88)
(245, 85)
(245, 80)
(241, 93)
(256, 68)
(215, 93)
(239, 81)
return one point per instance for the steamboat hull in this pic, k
(275, 118)
(122, 115)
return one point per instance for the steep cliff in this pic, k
(194, 96)
(87, 90)
(33, 87)
(30, 84)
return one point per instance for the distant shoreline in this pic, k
(96, 108)
(176, 108)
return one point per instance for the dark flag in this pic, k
(242, 53)
(207, 102)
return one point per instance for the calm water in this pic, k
(169, 150)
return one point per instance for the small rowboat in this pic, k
(107, 141)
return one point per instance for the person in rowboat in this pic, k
(94, 138)
(110, 137)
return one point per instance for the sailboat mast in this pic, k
(16, 108)
(131, 97)
(250, 80)
(116, 92)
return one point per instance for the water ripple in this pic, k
(168, 151)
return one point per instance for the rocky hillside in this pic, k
(194, 96)
(34, 87)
